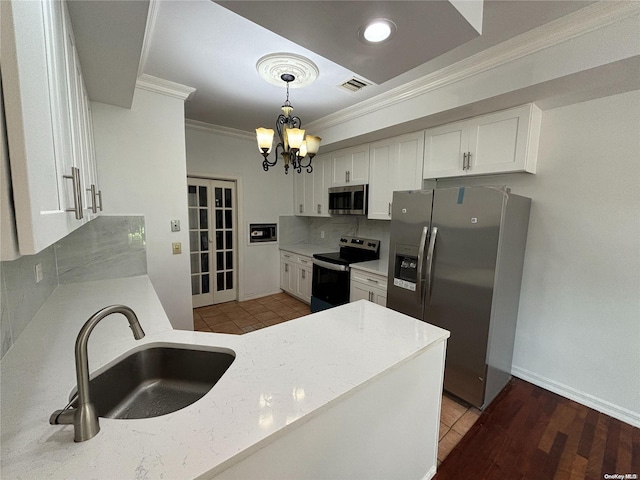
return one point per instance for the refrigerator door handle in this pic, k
(423, 242)
(432, 247)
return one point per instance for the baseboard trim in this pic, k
(430, 474)
(259, 295)
(603, 406)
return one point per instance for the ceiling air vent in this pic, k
(355, 84)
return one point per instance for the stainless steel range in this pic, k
(330, 285)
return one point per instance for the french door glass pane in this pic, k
(227, 219)
(220, 281)
(229, 280)
(219, 240)
(219, 261)
(193, 218)
(218, 218)
(205, 283)
(195, 265)
(204, 241)
(193, 241)
(193, 199)
(202, 191)
(204, 258)
(195, 284)
(229, 242)
(227, 198)
(204, 224)
(218, 197)
(229, 263)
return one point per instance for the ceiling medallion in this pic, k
(271, 67)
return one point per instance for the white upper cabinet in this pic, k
(500, 142)
(48, 123)
(311, 189)
(350, 166)
(396, 164)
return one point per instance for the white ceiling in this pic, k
(204, 45)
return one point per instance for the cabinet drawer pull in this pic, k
(303, 261)
(77, 192)
(372, 280)
(464, 161)
(304, 274)
(100, 198)
(301, 208)
(319, 208)
(371, 296)
(286, 255)
(389, 208)
(286, 267)
(468, 160)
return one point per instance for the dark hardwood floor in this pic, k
(531, 433)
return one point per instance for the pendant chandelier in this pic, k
(297, 151)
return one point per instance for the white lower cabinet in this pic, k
(368, 286)
(296, 272)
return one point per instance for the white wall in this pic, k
(142, 171)
(578, 330)
(264, 196)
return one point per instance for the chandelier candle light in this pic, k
(293, 146)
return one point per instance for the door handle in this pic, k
(423, 242)
(430, 253)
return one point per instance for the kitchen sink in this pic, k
(156, 381)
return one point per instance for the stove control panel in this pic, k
(361, 243)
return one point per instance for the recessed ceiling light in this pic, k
(377, 31)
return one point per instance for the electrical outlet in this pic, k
(38, 270)
(177, 248)
(321, 233)
(175, 225)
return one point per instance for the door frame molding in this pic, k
(240, 219)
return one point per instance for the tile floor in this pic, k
(242, 317)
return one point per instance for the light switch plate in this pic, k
(177, 248)
(175, 225)
(38, 270)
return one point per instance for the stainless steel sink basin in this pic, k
(157, 381)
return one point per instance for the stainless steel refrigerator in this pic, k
(455, 261)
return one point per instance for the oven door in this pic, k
(330, 285)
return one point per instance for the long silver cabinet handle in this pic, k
(464, 161)
(423, 242)
(468, 160)
(77, 192)
(319, 208)
(430, 253)
(94, 206)
(100, 198)
(389, 208)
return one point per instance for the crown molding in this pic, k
(583, 21)
(164, 87)
(152, 17)
(226, 131)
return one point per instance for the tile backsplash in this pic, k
(310, 230)
(107, 247)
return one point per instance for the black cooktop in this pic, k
(352, 250)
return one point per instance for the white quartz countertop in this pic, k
(281, 375)
(379, 266)
(307, 249)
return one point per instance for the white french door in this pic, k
(212, 241)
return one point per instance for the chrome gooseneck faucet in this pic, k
(84, 417)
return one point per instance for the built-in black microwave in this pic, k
(348, 200)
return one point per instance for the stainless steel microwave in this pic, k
(348, 200)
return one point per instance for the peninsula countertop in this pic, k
(281, 374)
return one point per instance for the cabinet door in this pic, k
(381, 184)
(308, 180)
(340, 163)
(444, 147)
(379, 296)
(359, 168)
(408, 161)
(499, 142)
(321, 182)
(303, 282)
(359, 292)
(298, 194)
(287, 273)
(350, 166)
(37, 113)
